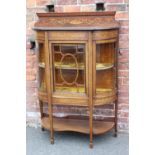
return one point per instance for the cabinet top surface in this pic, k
(76, 21)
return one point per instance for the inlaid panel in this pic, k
(68, 35)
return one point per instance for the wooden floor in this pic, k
(77, 125)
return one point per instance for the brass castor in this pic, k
(42, 128)
(52, 140)
(91, 145)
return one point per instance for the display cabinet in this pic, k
(77, 66)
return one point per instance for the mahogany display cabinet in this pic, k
(77, 66)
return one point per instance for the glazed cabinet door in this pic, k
(104, 71)
(69, 68)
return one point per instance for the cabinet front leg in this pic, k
(91, 129)
(51, 130)
(41, 112)
(52, 138)
(91, 143)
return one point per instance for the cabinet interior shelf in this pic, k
(77, 125)
(72, 66)
(75, 89)
(80, 89)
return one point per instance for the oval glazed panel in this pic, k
(69, 69)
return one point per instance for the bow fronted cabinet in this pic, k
(77, 66)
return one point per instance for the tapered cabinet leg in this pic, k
(41, 112)
(90, 92)
(115, 131)
(49, 83)
(91, 144)
(52, 140)
(91, 131)
(91, 128)
(115, 128)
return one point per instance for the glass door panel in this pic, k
(41, 65)
(69, 67)
(105, 61)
